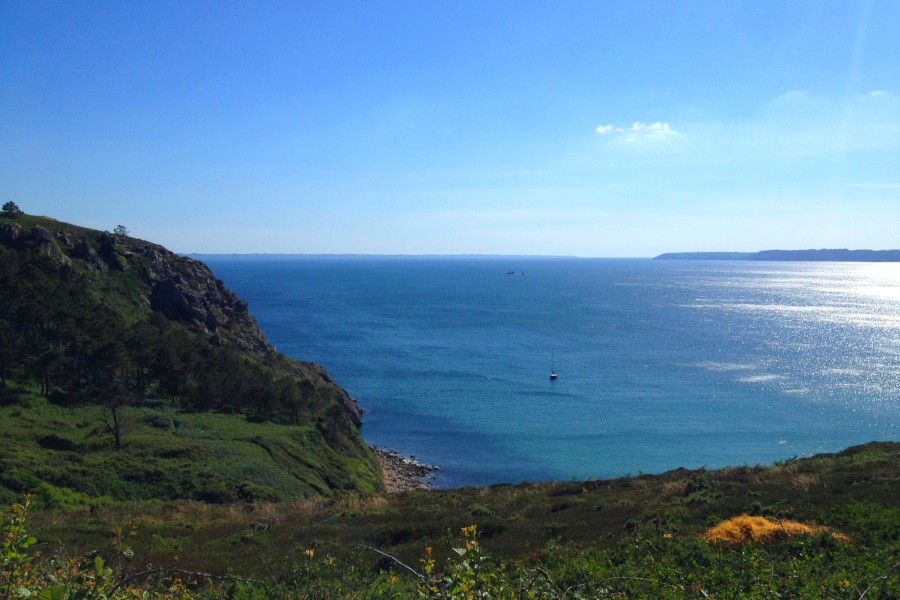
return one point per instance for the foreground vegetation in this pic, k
(640, 537)
(66, 457)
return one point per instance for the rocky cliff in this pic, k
(178, 287)
(95, 317)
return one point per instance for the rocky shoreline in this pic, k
(404, 473)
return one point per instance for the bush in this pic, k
(662, 567)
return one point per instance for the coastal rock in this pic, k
(403, 473)
(175, 301)
(112, 252)
(10, 233)
(82, 250)
(178, 287)
(41, 239)
(186, 290)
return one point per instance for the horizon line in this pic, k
(399, 255)
(476, 255)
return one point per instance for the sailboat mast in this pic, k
(553, 373)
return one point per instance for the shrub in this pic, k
(746, 528)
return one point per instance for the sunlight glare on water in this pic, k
(842, 321)
(662, 363)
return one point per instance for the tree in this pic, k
(120, 231)
(114, 398)
(10, 349)
(11, 209)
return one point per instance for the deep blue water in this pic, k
(662, 363)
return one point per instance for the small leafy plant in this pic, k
(16, 561)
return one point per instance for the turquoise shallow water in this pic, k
(662, 364)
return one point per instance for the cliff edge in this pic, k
(98, 319)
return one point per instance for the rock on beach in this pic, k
(403, 473)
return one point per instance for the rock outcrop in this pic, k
(9, 234)
(186, 290)
(82, 250)
(181, 288)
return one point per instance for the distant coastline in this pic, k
(201, 256)
(824, 255)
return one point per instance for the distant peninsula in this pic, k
(824, 255)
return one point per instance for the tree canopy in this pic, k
(11, 209)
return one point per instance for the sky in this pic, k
(602, 129)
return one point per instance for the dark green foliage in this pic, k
(76, 329)
(54, 442)
(11, 209)
(166, 453)
(76, 349)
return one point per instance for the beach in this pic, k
(403, 473)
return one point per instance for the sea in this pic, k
(662, 364)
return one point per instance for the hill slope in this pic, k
(633, 537)
(127, 371)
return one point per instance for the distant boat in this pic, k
(553, 372)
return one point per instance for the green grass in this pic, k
(66, 457)
(628, 537)
(515, 520)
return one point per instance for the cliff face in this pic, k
(110, 312)
(180, 288)
(186, 290)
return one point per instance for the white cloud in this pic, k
(793, 125)
(639, 131)
(656, 130)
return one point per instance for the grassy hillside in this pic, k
(628, 537)
(67, 457)
(128, 372)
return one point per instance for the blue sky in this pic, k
(578, 128)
